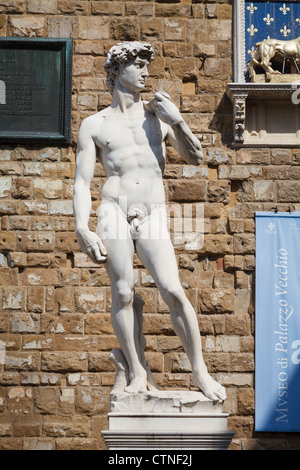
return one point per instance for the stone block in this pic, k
(90, 299)
(47, 188)
(33, 208)
(110, 8)
(216, 157)
(64, 361)
(67, 401)
(242, 280)
(27, 426)
(236, 225)
(216, 300)
(197, 31)
(41, 277)
(151, 29)
(223, 280)
(13, 298)
(147, 298)
(66, 426)
(176, 362)
(174, 29)
(66, 241)
(92, 400)
(7, 241)
(98, 324)
(46, 400)
(35, 241)
(218, 191)
(96, 27)
(244, 243)
(5, 186)
(217, 244)
(238, 324)
(22, 188)
(157, 324)
(187, 191)
(37, 342)
(281, 157)
(228, 343)
(77, 7)
(39, 259)
(25, 361)
(99, 362)
(62, 27)
(64, 299)
(83, 66)
(288, 191)
(17, 6)
(67, 323)
(26, 25)
(265, 190)
(219, 30)
(41, 6)
(38, 444)
(139, 9)
(5, 426)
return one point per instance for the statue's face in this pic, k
(132, 76)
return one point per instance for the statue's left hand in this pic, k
(164, 109)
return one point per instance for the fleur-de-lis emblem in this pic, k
(252, 51)
(271, 226)
(284, 9)
(285, 31)
(268, 19)
(298, 20)
(251, 8)
(252, 30)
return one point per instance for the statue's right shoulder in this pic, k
(93, 123)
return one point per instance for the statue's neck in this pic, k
(125, 100)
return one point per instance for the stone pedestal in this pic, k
(166, 420)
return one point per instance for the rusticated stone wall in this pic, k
(55, 330)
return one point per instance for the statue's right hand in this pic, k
(92, 245)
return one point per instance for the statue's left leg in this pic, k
(157, 255)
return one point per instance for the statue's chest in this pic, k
(122, 132)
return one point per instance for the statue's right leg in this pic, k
(112, 228)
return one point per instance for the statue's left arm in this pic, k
(179, 134)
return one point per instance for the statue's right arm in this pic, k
(89, 241)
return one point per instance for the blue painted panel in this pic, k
(274, 19)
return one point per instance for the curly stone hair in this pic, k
(122, 53)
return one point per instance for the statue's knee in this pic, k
(174, 297)
(124, 294)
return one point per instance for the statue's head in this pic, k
(123, 53)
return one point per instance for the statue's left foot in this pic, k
(211, 389)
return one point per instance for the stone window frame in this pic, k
(239, 59)
(239, 91)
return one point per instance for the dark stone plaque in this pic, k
(35, 90)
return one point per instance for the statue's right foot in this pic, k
(137, 385)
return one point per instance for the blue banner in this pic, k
(277, 322)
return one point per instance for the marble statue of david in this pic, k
(129, 138)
